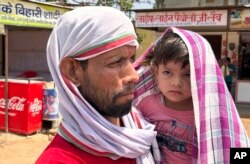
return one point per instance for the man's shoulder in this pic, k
(62, 151)
(56, 155)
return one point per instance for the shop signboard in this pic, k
(202, 18)
(27, 14)
(24, 105)
(240, 19)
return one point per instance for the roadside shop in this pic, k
(25, 27)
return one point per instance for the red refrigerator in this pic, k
(24, 106)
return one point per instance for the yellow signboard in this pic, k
(21, 13)
(1, 29)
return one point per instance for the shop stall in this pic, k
(25, 27)
(240, 21)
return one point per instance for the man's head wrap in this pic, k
(82, 34)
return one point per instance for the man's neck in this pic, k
(115, 121)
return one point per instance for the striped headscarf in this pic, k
(83, 34)
(217, 122)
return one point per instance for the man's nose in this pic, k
(131, 74)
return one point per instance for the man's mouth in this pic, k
(127, 95)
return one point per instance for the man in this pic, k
(90, 53)
(228, 71)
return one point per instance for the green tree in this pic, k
(124, 4)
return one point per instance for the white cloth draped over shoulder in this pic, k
(81, 34)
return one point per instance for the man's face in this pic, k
(108, 83)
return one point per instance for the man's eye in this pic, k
(132, 59)
(116, 62)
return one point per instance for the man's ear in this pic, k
(70, 68)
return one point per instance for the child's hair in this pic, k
(170, 47)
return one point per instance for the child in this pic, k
(182, 92)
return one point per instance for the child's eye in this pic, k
(187, 75)
(167, 73)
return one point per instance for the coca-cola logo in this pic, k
(36, 105)
(15, 103)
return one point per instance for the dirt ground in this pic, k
(15, 149)
(18, 149)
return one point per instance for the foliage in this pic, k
(124, 4)
(106, 3)
(139, 38)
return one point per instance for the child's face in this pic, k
(174, 82)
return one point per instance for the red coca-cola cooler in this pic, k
(2, 105)
(24, 106)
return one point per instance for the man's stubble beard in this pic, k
(100, 100)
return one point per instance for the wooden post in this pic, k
(6, 80)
